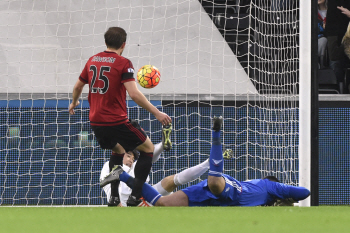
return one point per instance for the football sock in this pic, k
(216, 164)
(127, 179)
(142, 169)
(148, 192)
(115, 159)
(160, 189)
(158, 149)
(191, 173)
(114, 189)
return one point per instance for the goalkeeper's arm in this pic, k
(298, 193)
(284, 191)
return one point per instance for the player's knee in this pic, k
(168, 183)
(160, 202)
(216, 185)
(215, 189)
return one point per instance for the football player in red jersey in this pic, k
(109, 76)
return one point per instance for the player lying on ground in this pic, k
(166, 185)
(114, 197)
(110, 76)
(219, 189)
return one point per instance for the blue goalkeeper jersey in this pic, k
(248, 193)
(263, 192)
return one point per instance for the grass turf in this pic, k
(176, 219)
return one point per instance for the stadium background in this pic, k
(37, 134)
(56, 159)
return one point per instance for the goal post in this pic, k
(247, 60)
(308, 96)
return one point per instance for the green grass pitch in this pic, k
(175, 219)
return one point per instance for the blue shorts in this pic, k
(200, 195)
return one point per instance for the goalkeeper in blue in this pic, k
(219, 189)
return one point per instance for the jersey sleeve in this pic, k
(84, 76)
(128, 72)
(284, 191)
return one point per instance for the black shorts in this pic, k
(129, 135)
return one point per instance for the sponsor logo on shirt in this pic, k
(131, 70)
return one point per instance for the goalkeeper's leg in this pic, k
(216, 182)
(170, 183)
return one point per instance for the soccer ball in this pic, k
(148, 76)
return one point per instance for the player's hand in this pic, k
(163, 118)
(344, 11)
(285, 202)
(72, 106)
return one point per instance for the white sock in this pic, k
(158, 186)
(191, 173)
(158, 149)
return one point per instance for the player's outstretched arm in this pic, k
(142, 101)
(77, 90)
(284, 191)
(298, 193)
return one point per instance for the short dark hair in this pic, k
(115, 37)
(272, 178)
(136, 154)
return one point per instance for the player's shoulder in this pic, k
(126, 61)
(254, 181)
(121, 61)
(124, 58)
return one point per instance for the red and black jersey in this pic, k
(105, 73)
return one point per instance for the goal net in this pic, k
(237, 58)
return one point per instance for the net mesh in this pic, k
(238, 59)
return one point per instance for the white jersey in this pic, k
(104, 172)
(124, 190)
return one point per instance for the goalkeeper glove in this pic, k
(285, 202)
